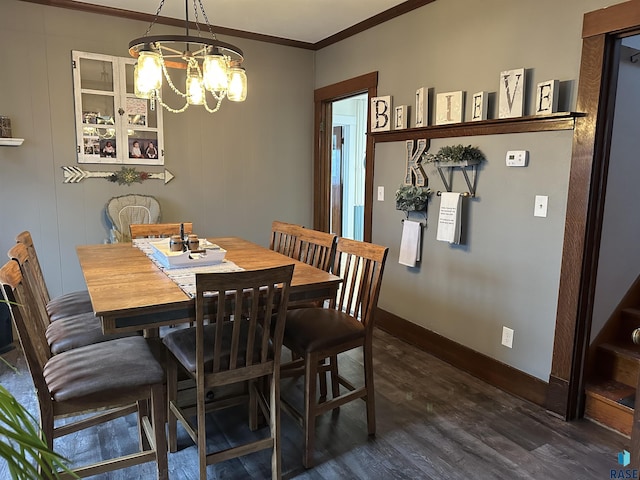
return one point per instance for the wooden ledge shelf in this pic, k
(532, 123)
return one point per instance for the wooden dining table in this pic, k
(129, 292)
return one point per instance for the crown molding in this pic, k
(382, 17)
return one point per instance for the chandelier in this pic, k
(211, 65)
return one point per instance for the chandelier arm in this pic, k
(142, 43)
(176, 53)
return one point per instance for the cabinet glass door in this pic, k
(113, 126)
(142, 125)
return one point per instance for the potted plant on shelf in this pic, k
(410, 198)
(455, 155)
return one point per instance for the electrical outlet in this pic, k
(507, 337)
(381, 193)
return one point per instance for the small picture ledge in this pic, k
(11, 142)
(532, 123)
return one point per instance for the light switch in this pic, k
(381, 193)
(540, 208)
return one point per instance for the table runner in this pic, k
(185, 278)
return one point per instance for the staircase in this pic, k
(614, 369)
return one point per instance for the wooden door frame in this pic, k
(323, 98)
(601, 33)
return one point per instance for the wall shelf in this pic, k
(11, 142)
(532, 123)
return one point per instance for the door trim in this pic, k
(602, 30)
(323, 97)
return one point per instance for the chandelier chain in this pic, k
(204, 14)
(195, 18)
(155, 18)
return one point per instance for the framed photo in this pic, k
(105, 120)
(91, 146)
(138, 120)
(449, 107)
(90, 117)
(137, 111)
(143, 148)
(400, 119)
(108, 148)
(381, 114)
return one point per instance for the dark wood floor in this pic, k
(434, 422)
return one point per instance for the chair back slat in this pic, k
(20, 255)
(284, 237)
(312, 247)
(25, 239)
(315, 248)
(158, 230)
(251, 301)
(360, 265)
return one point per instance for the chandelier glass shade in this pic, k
(211, 65)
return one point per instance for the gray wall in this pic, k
(236, 170)
(251, 163)
(508, 272)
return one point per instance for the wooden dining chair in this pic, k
(100, 382)
(315, 248)
(284, 237)
(226, 352)
(158, 230)
(320, 334)
(69, 331)
(71, 303)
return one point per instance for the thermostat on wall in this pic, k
(517, 158)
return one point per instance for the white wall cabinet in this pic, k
(113, 125)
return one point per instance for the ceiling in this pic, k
(308, 21)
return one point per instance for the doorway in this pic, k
(348, 166)
(343, 158)
(603, 31)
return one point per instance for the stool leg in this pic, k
(310, 402)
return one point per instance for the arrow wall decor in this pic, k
(126, 175)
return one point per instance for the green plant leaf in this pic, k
(455, 154)
(22, 444)
(410, 198)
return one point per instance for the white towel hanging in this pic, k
(410, 244)
(449, 217)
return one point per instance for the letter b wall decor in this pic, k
(381, 114)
